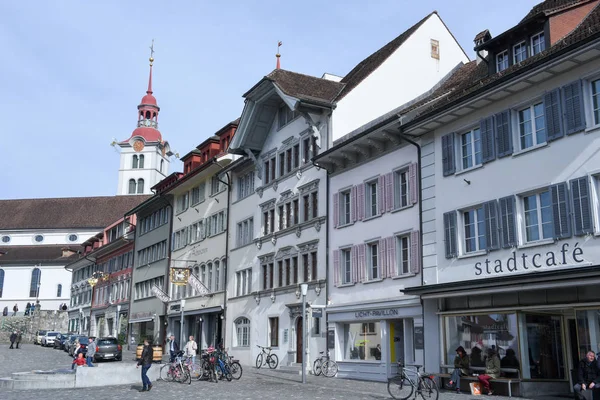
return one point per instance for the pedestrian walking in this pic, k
(173, 347)
(19, 338)
(91, 350)
(146, 363)
(13, 338)
(15, 309)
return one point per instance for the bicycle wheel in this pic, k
(236, 370)
(186, 375)
(317, 367)
(227, 373)
(429, 389)
(259, 360)
(273, 361)
(399, 388)
(205, 371)
(330, 368)
(165, 373)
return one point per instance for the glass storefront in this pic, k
(362, 341)
(588, 331)
(544, 346)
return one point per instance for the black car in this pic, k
(108, 348)
(59, 341)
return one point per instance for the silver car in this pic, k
(48, 339)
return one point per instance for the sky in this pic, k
(72, 72)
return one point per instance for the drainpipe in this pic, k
(225, 268)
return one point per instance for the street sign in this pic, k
(317, 312)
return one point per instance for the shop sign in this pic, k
(387, 312)
(317, 312)
(525, 261)
(156, 291)
(419, 341)
(199, 286)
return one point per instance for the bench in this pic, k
(481, 370)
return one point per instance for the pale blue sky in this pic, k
(73, 72)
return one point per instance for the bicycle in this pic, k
(325, 365)
(209, 367)
(176, 371)
(402, 385)
(222, 368)
(234, 365)
(266, 358)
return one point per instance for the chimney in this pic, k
(480, 39)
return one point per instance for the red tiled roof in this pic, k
(551, 6)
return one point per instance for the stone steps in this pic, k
(39, 380)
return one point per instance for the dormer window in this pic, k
(502, 61)
(519, 52)
(286, 115)
(537, 43)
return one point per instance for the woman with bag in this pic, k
(190, 349)
(492, 370)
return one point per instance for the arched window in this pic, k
(162, 165)
(148, 114)
(242, 330)
(1, 281)
(140, 186)
(217, 276)
(134, 163)
(59, 290)
(132, 186)
(209, 279)
(141, 164)
(34, 288)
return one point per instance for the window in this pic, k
(519, 52)
(346, 264)
(345, 207)
(316, 326)
(362, 341)
(245, 232)
(532, 127)
(502, 61)
(537, 43)
(474, 224)
(182, 202)
(268, 218)
(309, 148)
(140, 186)
(34, 287)
(401, 188)
(162, 166)
(59, 290)
(371, 189)
(245, 185)
(281, 164)
(274, 331)
(286, 115)
(198, 193)
(141, 164)
(242, 329)
(215, 185)
(134, 162)
(267, 272)
(435, 49)
(72, 238)
(270, 168)
(132, 186)
(470, 146)
(296, 155)
(243, 282)
(403, 256)
(1, 281)
(39, 238)
(5, 239)
(596, 100)
(373, 261)
(217, 266)
(538, 216)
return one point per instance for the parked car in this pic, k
(59, 341)
(69, 341)
(38, 337)
(48, 338)
(108, 348)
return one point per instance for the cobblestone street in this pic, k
(254, 384)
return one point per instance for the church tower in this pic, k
(144, 156)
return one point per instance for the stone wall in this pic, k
(44, 319)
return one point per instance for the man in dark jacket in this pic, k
(173, 347)
(146, 363)
(587, 374)
(13, 338)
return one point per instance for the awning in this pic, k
(138, 320)
(553, 279)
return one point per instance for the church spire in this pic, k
(151, 59)
(278, 55)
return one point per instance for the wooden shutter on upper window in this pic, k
(353, 204)
(448, 162)
(354, 263)
(337, 210)
(582, 206)
(389, 191)
(553, 115)
(413, 185)
(488, 142)
(492, 231)
(507, 218)
(360, 204)
(381, 194)
(561, 216)
(503, 134)
(336, 268)
(382, 258)
(391, 256)
(450, 234)
(361, 262)
(415, 252)
(573, 107)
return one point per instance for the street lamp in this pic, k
(80, 324)
(118, 320)
(93, 281)
(304, 290)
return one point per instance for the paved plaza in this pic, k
(254, 384)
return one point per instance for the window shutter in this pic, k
(361, 262)
(503, 134)
(448, 164)
(582, 210)
(336, 268)
(412, 183)
(353, 204)
(415, 252)
(507, 216)
(488, 145)
(573, 107)
(552, 114)
(360, 206)
(382, 258)
(381, 193)
(560, 211)
(337, 210)
(389, 191)
(490, 209)
(354, 263)
(391, 256)
(450, 234)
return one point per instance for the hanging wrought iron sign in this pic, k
(180, 276)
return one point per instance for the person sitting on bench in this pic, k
(588, 374)
(461, 368)
(492, 370)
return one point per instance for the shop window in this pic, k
(274, 331)
(588, 331)
(362, 341)
(544, 347)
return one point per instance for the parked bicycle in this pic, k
(176, 371)
(325, 365)
(208, 368)
(407, 381)
(266, 358)
(222, 368)
(234, 365)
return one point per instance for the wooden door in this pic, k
(299, 336)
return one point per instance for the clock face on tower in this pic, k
(138, 146)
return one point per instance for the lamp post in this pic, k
(80, 324)
(181, 323)
(304, 289)
(93, 280)
(118, 320)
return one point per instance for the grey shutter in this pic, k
(560, 211)
(490, 209)
(553, 115)
(582, 209)
(507, 218)
(503, 134)
(450, 234)
(448, 162)
(488, 145)
(573, 107)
